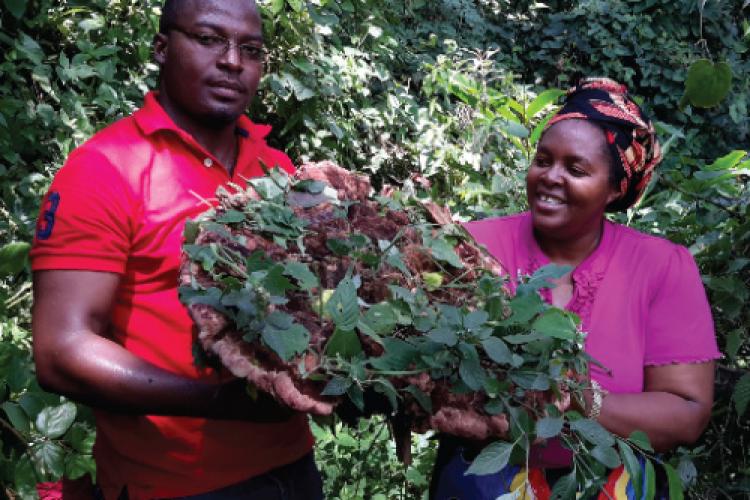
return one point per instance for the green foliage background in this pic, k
(449, 89)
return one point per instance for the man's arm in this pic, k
(74, 358)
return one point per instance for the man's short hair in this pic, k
(169, 14)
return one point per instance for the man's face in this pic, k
(204, 83)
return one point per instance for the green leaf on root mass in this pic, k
(443, 251)
(336, 386)
(497, 351)
(557, 324)
(565, 487)
(343, 306)
(204, 255)
(633, 466)
(384, 386)
(276, 283)
(641, 440)
(285, 337)
(593, 432)
(470, 368)
(650, 480)
(675, 485)
(398, 355)
(55, 421)
(524, 308)
(48, 458)
(606, 455)
(344, 343)
(444, 335)
(493, 458)
(421, 397)
(300, 271)
(231, 217)
(379, 319)
(549, 427)
(17, 417)
(541, 278)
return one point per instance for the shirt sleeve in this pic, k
(280, 159)
(680, 328)
(85, 222)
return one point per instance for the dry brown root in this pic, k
(348, 185)
(467, 423)
(277, 383)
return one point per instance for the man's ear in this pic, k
(160, 46)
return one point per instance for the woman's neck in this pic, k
(572, 250)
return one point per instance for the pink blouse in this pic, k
(640, 299)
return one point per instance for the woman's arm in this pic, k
(674, 408)
(74, 358)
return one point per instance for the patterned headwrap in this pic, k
(630, 135)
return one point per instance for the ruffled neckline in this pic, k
(586, 277)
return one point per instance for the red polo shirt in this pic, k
(119, 205)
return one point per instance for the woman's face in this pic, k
(568, 183)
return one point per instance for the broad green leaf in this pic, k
(491, 459)
(549, 427)
(344, 343)
(525, 307)
(77, 466)
(13, 258)
(343, 307)
(231, 217)
(633, 466)
(547, 97)
(650, 480)
(443, 251)
(640, 439)
(497, 351)
(285, 337)
(565, 487)
(336, 386)
(606, 455)
(16, 416)
(541, 278)
(707, 84)
(675, 485)
(470, 369)
(357, 396)
(687, 470)
(277, 6)
(383, 386)
(276, 283)
(557, 324)
(422, 398)
(444, 335)
(380, 318)
(81, 438)
(398, 355)
(49, 460)
(16, 7)
(301, 272)
(741, 394)
(55, 421)
(593, 432)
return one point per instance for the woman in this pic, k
(640, 297)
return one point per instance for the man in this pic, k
(109, 330)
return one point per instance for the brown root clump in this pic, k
(299, 382)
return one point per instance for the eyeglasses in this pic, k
(219, 45)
